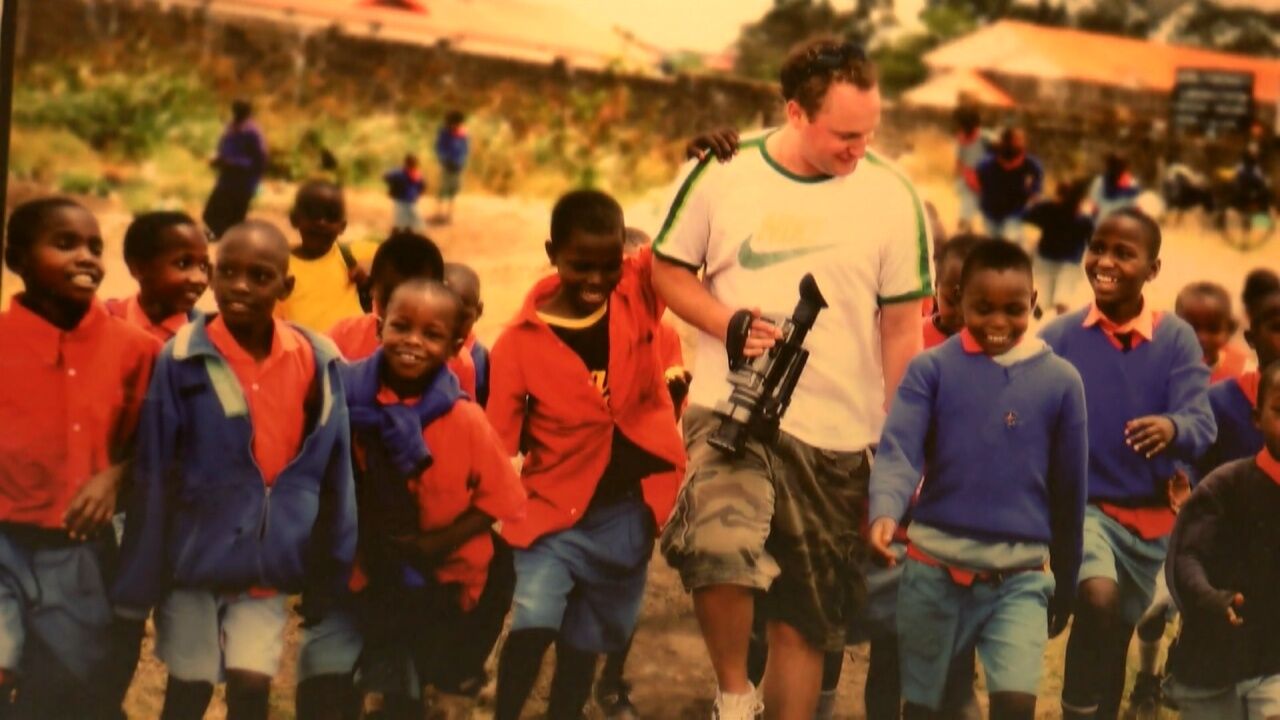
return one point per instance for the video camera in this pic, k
(762, 386)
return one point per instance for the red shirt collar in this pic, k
(165, 329)
(43, 337)
(1269, 465)
(969, 342)
(1143, 326)
(1249, 386)
(1013, 163)
(283, 342)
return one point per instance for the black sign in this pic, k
(1212, 101)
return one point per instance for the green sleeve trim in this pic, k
(676, 261)
(922, 237)
(678, 204)
(907, 297)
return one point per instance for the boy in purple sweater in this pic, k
(996, 425)
(1146, 385)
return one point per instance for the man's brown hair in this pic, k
(813, 66)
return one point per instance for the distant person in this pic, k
(1250, 188)
(1009, 181)
(327, 280)
(405, 185)
(1065, 230)
(1206, 307)
(452, 148)
(1114, 188)
(240, 162)
(971, 148)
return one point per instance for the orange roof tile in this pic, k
(1018, 48)
(945, 90)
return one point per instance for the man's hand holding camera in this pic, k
(749, 336)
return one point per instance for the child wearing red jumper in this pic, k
(168, 254)
(576, 387)
(72, 380)
(433, 478)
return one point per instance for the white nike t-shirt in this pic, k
(757, 229)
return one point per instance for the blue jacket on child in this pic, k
(201, 515)
(1003, 450)
(1166, 376)
(1238, 437)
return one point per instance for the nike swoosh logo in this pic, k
(752, 260)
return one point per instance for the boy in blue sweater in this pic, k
(996, 425)
(1146, 385)
(243, 487)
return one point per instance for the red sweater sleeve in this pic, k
(508, 392)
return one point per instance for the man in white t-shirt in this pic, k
(784, 519)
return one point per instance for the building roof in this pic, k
(519, 29)
(945, 89)
(1017, 48)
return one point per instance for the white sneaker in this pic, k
(744, 706)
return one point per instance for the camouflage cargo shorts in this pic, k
(784, 519)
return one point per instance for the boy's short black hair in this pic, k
(1259, 283)
(24, 226)
(432, 287)
(1202, 289)
(996, 255)
(589, 211)
(1267, 377)
(957, 247)
(1150, 227)
(408, 255)
(454, 117)
(144, 238)
(303, 198)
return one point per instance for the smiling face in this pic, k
(320, 216)
(835, 138)
(420, 331)
(176, 277)
(590, 266)
(250, 277)
(1118, 262)
(64, 263)
(997, 308)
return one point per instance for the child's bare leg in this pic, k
(518, 669)
(1013, 706)
(186, 699)
(883, 694)
(571, 684)
(247, 695)
(1091, 654)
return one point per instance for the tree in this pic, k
(764, 44)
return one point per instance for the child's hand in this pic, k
(678, 384)
(1234, 600)
(428, 546)
(1149, 435)
(881, 537)
(1179, 489)
(91, 509)
(723, 143)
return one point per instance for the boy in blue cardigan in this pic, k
(1146, 386)
(996, 425)
(243, 487)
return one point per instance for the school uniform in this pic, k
(584, 400)
(357, 339)
(1005, 188)
(1233, 402)
(1231, 364)
(1001, 443)
(261, 506)
(405, 487)
(323, 292)
(1151, 365)
(1226, 541)
(405, 187)
(69, 404)
(130, 310)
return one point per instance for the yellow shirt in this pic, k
(322, 294)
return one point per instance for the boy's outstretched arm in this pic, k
(1190, 547)
(721, 143)
(900, 459)
(1068, 492)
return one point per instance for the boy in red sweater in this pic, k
(576, 387)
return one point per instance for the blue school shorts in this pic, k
(200, 633)
(879, 619)
(587, 581)
(1114, 553)
(939, 620)
(56, 624)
